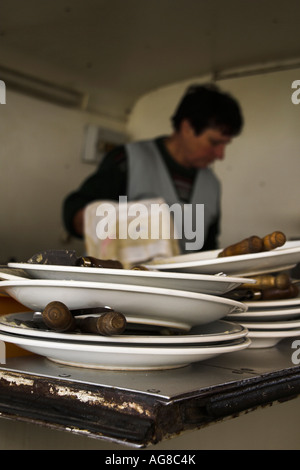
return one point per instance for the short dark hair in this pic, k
(206, 106)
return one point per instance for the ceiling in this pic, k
(118, 50)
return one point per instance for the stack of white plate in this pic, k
(127, 351)
(180, 294)
(178, 306)
(269, 322)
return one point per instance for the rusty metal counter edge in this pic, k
(139, 415)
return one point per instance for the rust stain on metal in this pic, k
(16, 379)
(88, 397)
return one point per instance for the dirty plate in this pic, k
(207, 262)
(206, 284)
(165, 307)
(219, 331)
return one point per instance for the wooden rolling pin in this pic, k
(58, 317)
(255, 244)
(267, 281)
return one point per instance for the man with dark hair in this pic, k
(175, 167)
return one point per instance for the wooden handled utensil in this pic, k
(276, 294)
(107, 324)
(267, 281)
(248, 245)
(255, 244)
(266, 294)
(273, 240)
(58, 317)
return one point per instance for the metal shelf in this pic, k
(139, 409)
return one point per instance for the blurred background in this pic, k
(82, 74)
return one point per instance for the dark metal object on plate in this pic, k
(69, 258)
(56, 257)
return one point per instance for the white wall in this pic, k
(260, 174)
(41, 162)
(40, 159)
(41, 150)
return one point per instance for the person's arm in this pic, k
(108, 182)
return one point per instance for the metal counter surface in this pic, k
(142, 408)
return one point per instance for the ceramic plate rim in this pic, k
(272, 325)
(274, 333)
(267, 313)
(34, 283)
(153, 349)
(284, 250)
(124, 339)
(132, 273)
(163, 307)
(267, 304)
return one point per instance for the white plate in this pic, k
(121, 357)
(271, 304)
(265, 315)
(217, 284)
(218, 331)
(268, 339)
(272, 325)
(207, 262)
(165, 307)
(10, 277)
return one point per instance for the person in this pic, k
(175, 167)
